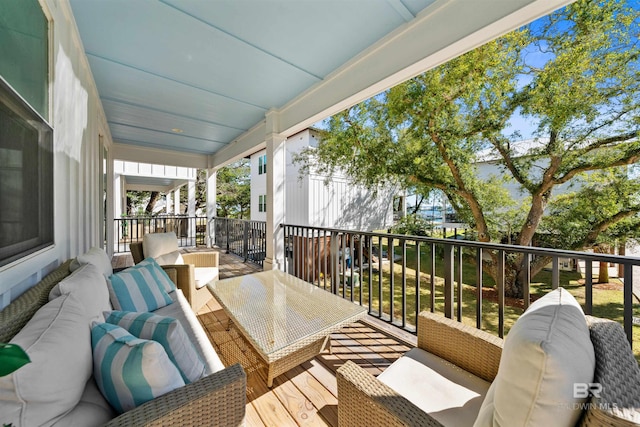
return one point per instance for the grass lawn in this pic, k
(607, 301)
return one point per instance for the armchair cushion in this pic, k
(449, 394)
(547, 351)
(204, 275)
(157, 244)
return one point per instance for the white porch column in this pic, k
(176, 202)
(118, 196)
(191, 210)
(275, 194)
(212, 180)
(169, 197)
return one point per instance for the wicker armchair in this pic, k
(185, 274)
(363, 400)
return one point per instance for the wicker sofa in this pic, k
(365, 400)
(217, 399)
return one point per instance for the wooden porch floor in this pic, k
(305, 395)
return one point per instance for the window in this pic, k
(262, 164)
(26, 139)
(26, 178)
(262, 203)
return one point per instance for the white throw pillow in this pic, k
(89, 286)
(172, 258)
(130, 371)
(140, 288)
(168, 332)
(547, 351)
(158, 244)
(58, 342)
(96, 256)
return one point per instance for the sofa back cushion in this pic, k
(169, 333)
(57, 340)
(546, 352)
(14, 316)
(96, 256)
(90, 286)
(130, 371)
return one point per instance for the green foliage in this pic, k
(234, 190)
(413, 225)
(574, 73)
(12, 357)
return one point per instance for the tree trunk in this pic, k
(152, 202)
(603, 271)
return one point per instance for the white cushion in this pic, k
(168, 332)
(96, 256)
(57, 340)
(92, 410)
(130, 371)
(446, 392)
(157, 244)
(89, 286)
(547, 351)
(181, 311)
(204, 275)
(139, 288)
(172, 258)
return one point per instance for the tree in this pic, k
(574, 73)
(234, 190)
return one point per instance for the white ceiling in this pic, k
(199, 76)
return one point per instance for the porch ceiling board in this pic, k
(215, 68)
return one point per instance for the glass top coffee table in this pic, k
(285, 319)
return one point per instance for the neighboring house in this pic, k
(315, 200)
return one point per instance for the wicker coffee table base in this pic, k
(281, 362)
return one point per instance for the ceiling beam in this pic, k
(158, 156)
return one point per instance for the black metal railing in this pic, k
(397, 276)
(244, 238)
(190, 230)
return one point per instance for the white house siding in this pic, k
(77, 119)
(338, 204)
(258, 187)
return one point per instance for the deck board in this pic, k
(307, 394)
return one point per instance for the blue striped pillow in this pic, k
(168, 332)
(130, 371)
(161, 275)
(138, 288)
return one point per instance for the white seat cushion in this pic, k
(547, 351)
(181, 310)
(204, 275)
(447, 393)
